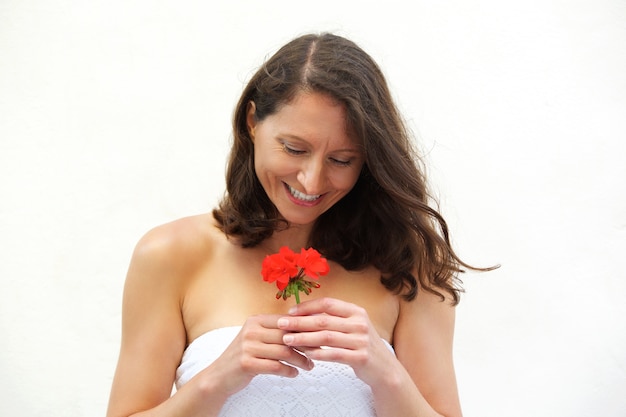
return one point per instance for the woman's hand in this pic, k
(257, 349)
(332, 330)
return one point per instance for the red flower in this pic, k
(312, 263)
(280, 267)
(288, 270)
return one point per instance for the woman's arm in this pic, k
(154, 336)
(423, 341)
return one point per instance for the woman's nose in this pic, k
(312, 177)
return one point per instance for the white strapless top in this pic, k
(329, 390)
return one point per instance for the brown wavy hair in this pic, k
(385, 221)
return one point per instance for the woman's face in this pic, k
(304, 156)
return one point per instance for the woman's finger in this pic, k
(326, 305)
(321, 322)
(261, 342)
(326, 338)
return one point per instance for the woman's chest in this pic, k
(230, 289)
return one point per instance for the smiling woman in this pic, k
(321, 160)
(304, 157)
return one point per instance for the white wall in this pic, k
(115, 115)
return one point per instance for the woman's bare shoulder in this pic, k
(180, 236)
(178, 246)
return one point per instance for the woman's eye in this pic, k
(292, 151)
(341, 162)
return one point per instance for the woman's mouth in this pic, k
(301, 196)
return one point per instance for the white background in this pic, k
(115, 117)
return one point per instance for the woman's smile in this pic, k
(303, 199)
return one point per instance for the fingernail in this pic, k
(287, 339)
(282, 322)
(293, 310)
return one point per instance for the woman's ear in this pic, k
(251, 119)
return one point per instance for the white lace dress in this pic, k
(329, 390)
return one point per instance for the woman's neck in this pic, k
(295, 237)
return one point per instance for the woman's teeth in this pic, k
(301, 196)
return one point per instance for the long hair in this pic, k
(385, 221)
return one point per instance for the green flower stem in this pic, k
(296, 287)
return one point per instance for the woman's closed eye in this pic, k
(334, 160)
(291, 150)
(341, 162)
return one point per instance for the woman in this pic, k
(320, 159)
